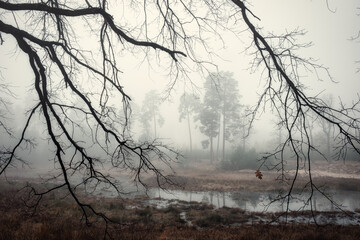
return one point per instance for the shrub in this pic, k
(144, 214)
(209, 220)
(241, 159)
(116, 206)
(197, 155)
(171, 209)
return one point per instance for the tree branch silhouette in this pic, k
(81, 120)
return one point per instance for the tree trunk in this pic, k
(327, 132)
(280, 136)
(243, 135)
(328, 143)
(154, 118)
(218, 140)
(224, 121)
(188, 120)
(224, 125)
(211, 150)
(311, 133)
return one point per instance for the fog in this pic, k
(217, 125)
(329, 32)
(328, 28)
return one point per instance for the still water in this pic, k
(260, 201)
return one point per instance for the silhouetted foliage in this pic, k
(150, 114)
(242, 159)
(220, 110)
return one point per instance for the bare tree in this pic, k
(70, 80)
(45, 32)
(276, 54)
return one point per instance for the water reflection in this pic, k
(259, 201)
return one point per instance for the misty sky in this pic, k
(328, 31)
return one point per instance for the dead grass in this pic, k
(59, 218)
(67, 229)
(201, 176)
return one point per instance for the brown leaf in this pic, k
(258, 174)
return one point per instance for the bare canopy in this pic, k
(51, 34)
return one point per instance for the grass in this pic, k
(65, 229)
(57, 217)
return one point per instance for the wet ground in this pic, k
(205, 197)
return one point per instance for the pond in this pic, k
(260, 201)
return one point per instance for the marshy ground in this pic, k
(57, 217)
